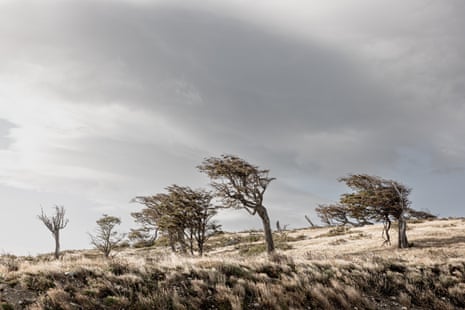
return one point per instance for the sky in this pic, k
(102, 101)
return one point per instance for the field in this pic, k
(314, 268)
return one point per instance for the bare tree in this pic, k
(279, 228)
(106, 237)
(55, 223)
(240, 185)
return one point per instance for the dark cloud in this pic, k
(235, 85)
(308, 110)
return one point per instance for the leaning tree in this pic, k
(55, 223)
(240, 185)
(380, 200)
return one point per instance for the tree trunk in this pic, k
(191, 243)
(107, 251)
(261, 211)
(386, 228)
(172, 242)
(182, 242)
(309, 221)
(56, 235)
(200, 246)
(403, 242)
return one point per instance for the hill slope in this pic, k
(323, 268)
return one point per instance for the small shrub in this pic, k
(360, 235)
(7, 306)
(282, 259)
(113, 302)
(55, 299)
(11, 262)
(253, 237)
(337, 231)
(252, 249)
(272, 271)
(234, 270)
(38, 282)
(118, 267)
(338, 241)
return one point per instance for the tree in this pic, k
(147, 232)
(182, 214)
(193, 212)
(240, 185)
(420, 215)
(380, 200)
(310, 221)
(106, 237)
(340, 214)
(150, 217)
(55, 223)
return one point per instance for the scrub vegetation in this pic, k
(312, 268)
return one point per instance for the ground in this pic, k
(314, 268)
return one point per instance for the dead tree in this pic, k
(309, 221)
(55, 223)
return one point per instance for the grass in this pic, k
(314, 269)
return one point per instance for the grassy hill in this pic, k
(320, 268)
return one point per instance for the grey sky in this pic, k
(101, 101)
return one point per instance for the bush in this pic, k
(11, 262)
(337, 231)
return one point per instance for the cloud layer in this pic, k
(105, 100)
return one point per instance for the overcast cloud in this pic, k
(101, 101)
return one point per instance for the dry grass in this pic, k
(320, 270)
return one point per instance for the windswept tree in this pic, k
(147, 232)
(55, 223)
(331, 214)
(106, 238)
(183, 215)
(379, 200)
(240, 185)
(339, 214)
(150, 217)
(420, 215)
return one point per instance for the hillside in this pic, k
(320, 268)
